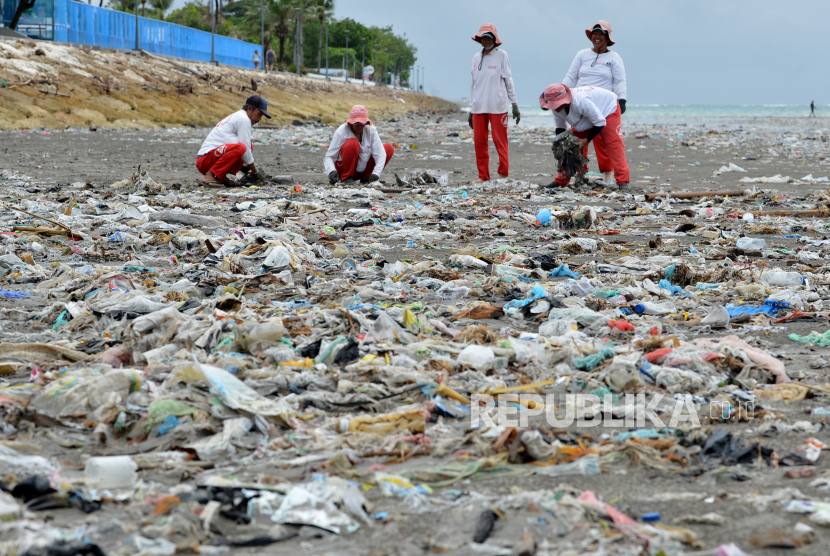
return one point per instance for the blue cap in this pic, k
(651, 517)
(639, 308)
(258, 102)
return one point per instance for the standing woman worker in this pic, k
(601, 68)
(491, 94)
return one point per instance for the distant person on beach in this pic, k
(812, 109)
(592, 112)
(228, 145)
(491, 94)
(270, 58)
(256, 59)
(356, 152)
(599, 67)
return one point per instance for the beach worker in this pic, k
(355, 151)
(256, 59)
(270, 58)
(491, 94)
(812, 109)
(228, 145)
(591, 112)
(599, 67)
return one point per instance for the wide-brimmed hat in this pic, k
(487, 28)
(359, 115)
(602, 25)
(555, 96)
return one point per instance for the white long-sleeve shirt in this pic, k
(491, 87)
(605, 71)
(589, 107)
(370, 146)
(236, 128)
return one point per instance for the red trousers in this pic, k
(481, 123)
(225, 159)
(609, 147)
(347, 165)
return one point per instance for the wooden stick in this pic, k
(696, 194)
(42, 218)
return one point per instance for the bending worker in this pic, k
(592, 112)
(599, 67)
(228, 145)
(355, 152)
(491, 93)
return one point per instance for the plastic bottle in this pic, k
(750, 243)
(110, 472)
(543, 217)
(649, 308)
(780, 278)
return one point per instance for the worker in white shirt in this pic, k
(228, 145)
(599, 67)
(355, 151)
(592, 112)
(491, 94)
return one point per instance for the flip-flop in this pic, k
(212, 183)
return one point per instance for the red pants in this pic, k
(498, 122)
(225, 159)
(609, 147)
(347, 165)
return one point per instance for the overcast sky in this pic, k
(689, 52)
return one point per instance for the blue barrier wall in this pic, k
(84, 24)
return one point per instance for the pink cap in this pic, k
(555, 96)
(359, 115)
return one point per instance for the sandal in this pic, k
(213, 183)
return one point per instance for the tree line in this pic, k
(296, 30)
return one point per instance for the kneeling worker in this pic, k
(591, 112)
(355, 152)
(228, 145)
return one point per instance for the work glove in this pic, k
(622, 106)
(470, 119)
(560, 130)
(373, 177)
(516, 115)
(333, 177)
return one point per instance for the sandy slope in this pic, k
(120, 89)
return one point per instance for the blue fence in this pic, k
(84, 24)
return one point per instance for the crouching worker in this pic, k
(228, 145)
(591, 112)
(355, 152)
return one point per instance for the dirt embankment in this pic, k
(55, 86)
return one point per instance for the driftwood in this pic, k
(696, 194)
(179, 65)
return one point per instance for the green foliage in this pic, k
(243, 19)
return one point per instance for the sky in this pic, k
(725, 52)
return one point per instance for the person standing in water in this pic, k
(599, 67)
(812, 109)
(491, 93)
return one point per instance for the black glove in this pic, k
(560, 130)
(622, 106)
(470, 120)
(373, 177)
(516, 114)
(334, 177)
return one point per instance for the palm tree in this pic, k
(161, 6)
(322, 10)
(278, 14)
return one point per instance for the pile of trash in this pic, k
(186, 373)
